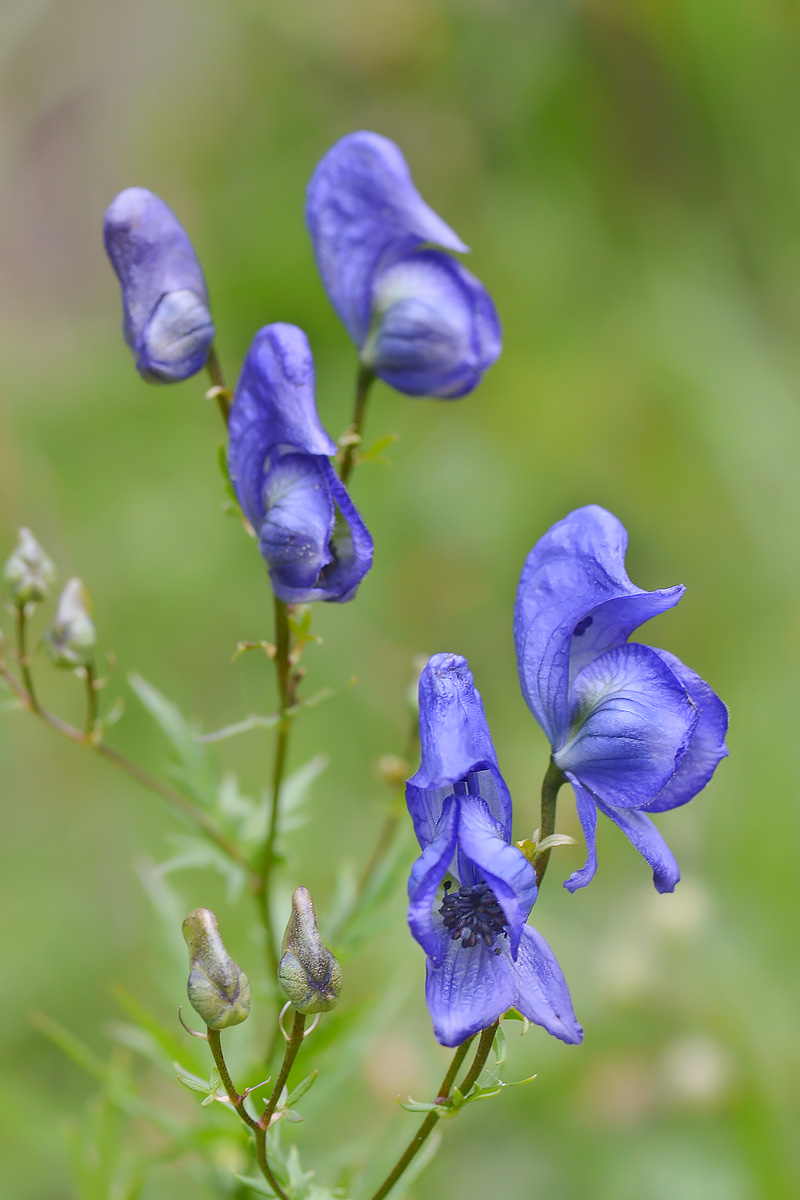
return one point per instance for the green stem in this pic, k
(23, 659)
(219, 390)
(91, 700)
(175, 800)
(432, 1119)
(283, 671)
(292, 1047)
(551, 783)
(237, 1102)
(353, 435)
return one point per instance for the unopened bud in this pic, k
(218, 990)
(310, 976)
(28, 573)
(70, 639)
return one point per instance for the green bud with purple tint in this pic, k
(218, 990)
(310, 976)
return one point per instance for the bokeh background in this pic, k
(628, 175)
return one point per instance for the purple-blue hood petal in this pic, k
(166, 318)
(456, 747)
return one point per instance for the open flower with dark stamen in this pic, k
(633, 730)
(471, 890)
(420, 320)
(166, 318)
(310, 534)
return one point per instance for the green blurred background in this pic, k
(628, 175)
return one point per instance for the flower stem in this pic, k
(353, 436)
(551, 783)
(91, 700)
(292, 1047)
(237, 1101)
(22, 657)
(219, 390)
(432, 1119)
(283, 672)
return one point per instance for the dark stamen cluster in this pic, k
(473, 915)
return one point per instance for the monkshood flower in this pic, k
(421, 322)
(632, 729)
(471, 890)
(166, 319)
(310, 534)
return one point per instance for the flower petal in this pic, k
(435, 329)
(631, 723)
(469, 991)
(587, 814)
(297, 526)
(707, 746)
(648, 841)
(273, 409)
(456, 747)
(363, 212)
(426, 875)
(484, 855)
(542, 994)
(574, 602)
(166, 320)
(351, 544)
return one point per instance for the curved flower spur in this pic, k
(632, 729)
(310, 534)
(471, 890)
(420, 320)
(166, 318)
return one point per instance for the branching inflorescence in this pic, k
(631, 728)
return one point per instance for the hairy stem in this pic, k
(283, 672)
(219, 390)
(429, 1124)
(237, 1101)
(547, 824)
(353, 436)
(175, 800)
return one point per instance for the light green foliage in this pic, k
(628, 178)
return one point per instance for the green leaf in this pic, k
(194, 771)
(243, 726)
(71, 1045)
(303, 1087)
(500, 1046)
(193, 1082)
(375, 452)
(292, 1116)
(259, 1186)
(198, 853)
(295, 794)
(419, 1106)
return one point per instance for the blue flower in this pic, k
(471, 891)
(421, 322)
(166, 320)
(632, 729)
(311, 537)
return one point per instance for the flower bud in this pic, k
(218, 990)
(166, 318)
(70, 638)
(28, 573)
(308, 973)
